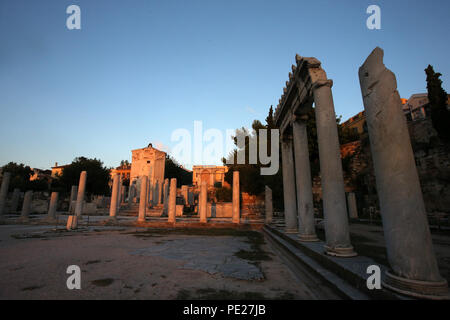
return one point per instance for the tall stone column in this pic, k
(269, 205)
(305, 206)
(172, 200)
(114, 197)
(143, 199)
(26, 207)
(150, 193)
(408, 240)
(160, 193)
(166, 196)
(73, 197)
(4, 191)
(290, 208)
(352, 208)
(236, 194)
(51, 215)
(130, 195)
(203, 202)
(119, 193)
(15, 200)
(156, 193)
(184, 192)
(80, 196)
(334, 206)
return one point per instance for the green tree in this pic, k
(174, 170)
(440, 115)
(98, 176)
(20, 175)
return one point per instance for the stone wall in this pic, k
(433, 166)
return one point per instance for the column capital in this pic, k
(321, 83)
(300, 118)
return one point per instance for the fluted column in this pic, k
(305, 206)
(408, 240)
(80, 196)
(290, 208)
(4, 191)
(332, 179)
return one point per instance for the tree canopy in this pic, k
(174, 170)
(440, 115)
(98, 176)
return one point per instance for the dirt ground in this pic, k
(130, 263)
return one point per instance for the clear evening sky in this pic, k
(137, 70)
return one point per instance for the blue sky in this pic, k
(137, 70)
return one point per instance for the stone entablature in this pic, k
(209, 173)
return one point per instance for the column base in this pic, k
(290, 231)
(347, 252)
(417, 288)
(308, 238)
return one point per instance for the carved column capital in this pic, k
(321, 83)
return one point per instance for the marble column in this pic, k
(236, 194)
(408, 240)
(203, 202)
(130, 195)
(184, 192)
(73, 197)
(4, 192)
(351, 204)
(80, 195)
(114, 197)
(15, 200)
(305, 206)
(166, 196)
(268, 205)
(156, 193)
(332, 179)
(143, 199)
(172, 200)
(119, 193)
(26, 207)
(160, 193)
(51, 215)
(290, 207)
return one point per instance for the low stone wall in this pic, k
(220, 210)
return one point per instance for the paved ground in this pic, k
(130, 263)
(369, 240)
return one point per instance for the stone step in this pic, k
(346, 275)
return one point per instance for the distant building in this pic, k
(39, 174)
(210, 174)
(148, 162)
(124, 171)
(57, 170)
(415, 107)
(357, 123)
